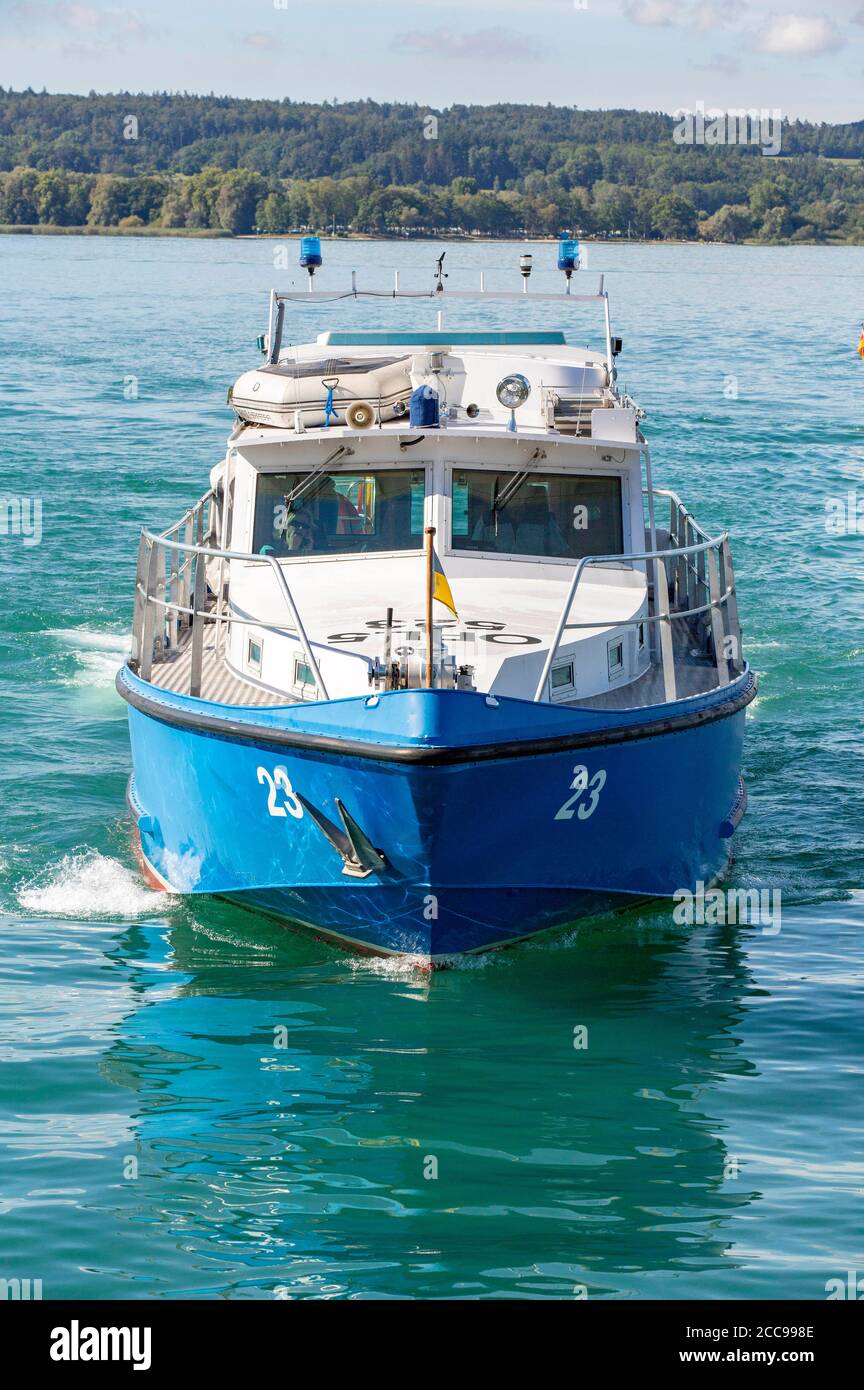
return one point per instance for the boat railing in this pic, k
(438, 294)
(171, 596)
(693, 584)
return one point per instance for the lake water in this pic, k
(153, 1139)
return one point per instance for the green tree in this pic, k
(372, 211)
(273, 213)
(613, 207)
(674, 216)
(18, 203)
(298, 204)
(644, 203)
(109, 201)
(237, 199)
(732, 222)
(826, 217)
(777, 225)
(582, 165)
(770, 193)
(78, 190)
(484, 211)
(51, 196)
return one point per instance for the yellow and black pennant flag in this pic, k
(440, 584)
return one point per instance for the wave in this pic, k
(90, 884)
(91, 637)
(97, 655)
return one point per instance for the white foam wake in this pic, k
(97, 654)
(84, 637)
(90, 885)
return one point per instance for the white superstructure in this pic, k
(529, 464)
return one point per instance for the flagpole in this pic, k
(430, 536)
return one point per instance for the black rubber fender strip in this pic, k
(222, 726)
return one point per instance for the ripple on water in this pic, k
(201, 1103)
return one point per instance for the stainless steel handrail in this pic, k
(151, 579)
(710, 545)
(681, 509)
(188, 515)
(211, 553)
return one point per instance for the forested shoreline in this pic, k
(221, 166)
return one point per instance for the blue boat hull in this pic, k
(494, 820)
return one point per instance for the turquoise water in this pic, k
(425, 1137)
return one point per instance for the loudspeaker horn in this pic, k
(360, 416)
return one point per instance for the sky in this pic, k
(803, 60)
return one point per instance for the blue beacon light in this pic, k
(568, 256)
(310, 255)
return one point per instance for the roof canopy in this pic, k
(443, 339)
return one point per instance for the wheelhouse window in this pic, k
(339, 513)
(562, 516)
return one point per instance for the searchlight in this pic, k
(513, 391)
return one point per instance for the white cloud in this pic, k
(262, 41)
(708, 16)
(81, 17)
(507, 45)
(800, 36)
(652, 12)
(722, 63)
(111, 25)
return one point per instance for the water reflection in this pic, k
(309, 1167)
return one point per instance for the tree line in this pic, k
(182, 133)
(180, 162)
(774, 208)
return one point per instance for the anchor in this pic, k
(359, 856)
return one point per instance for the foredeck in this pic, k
(218, 682)
(695, 674)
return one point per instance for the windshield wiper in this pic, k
(316, 476)
(500, 500)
